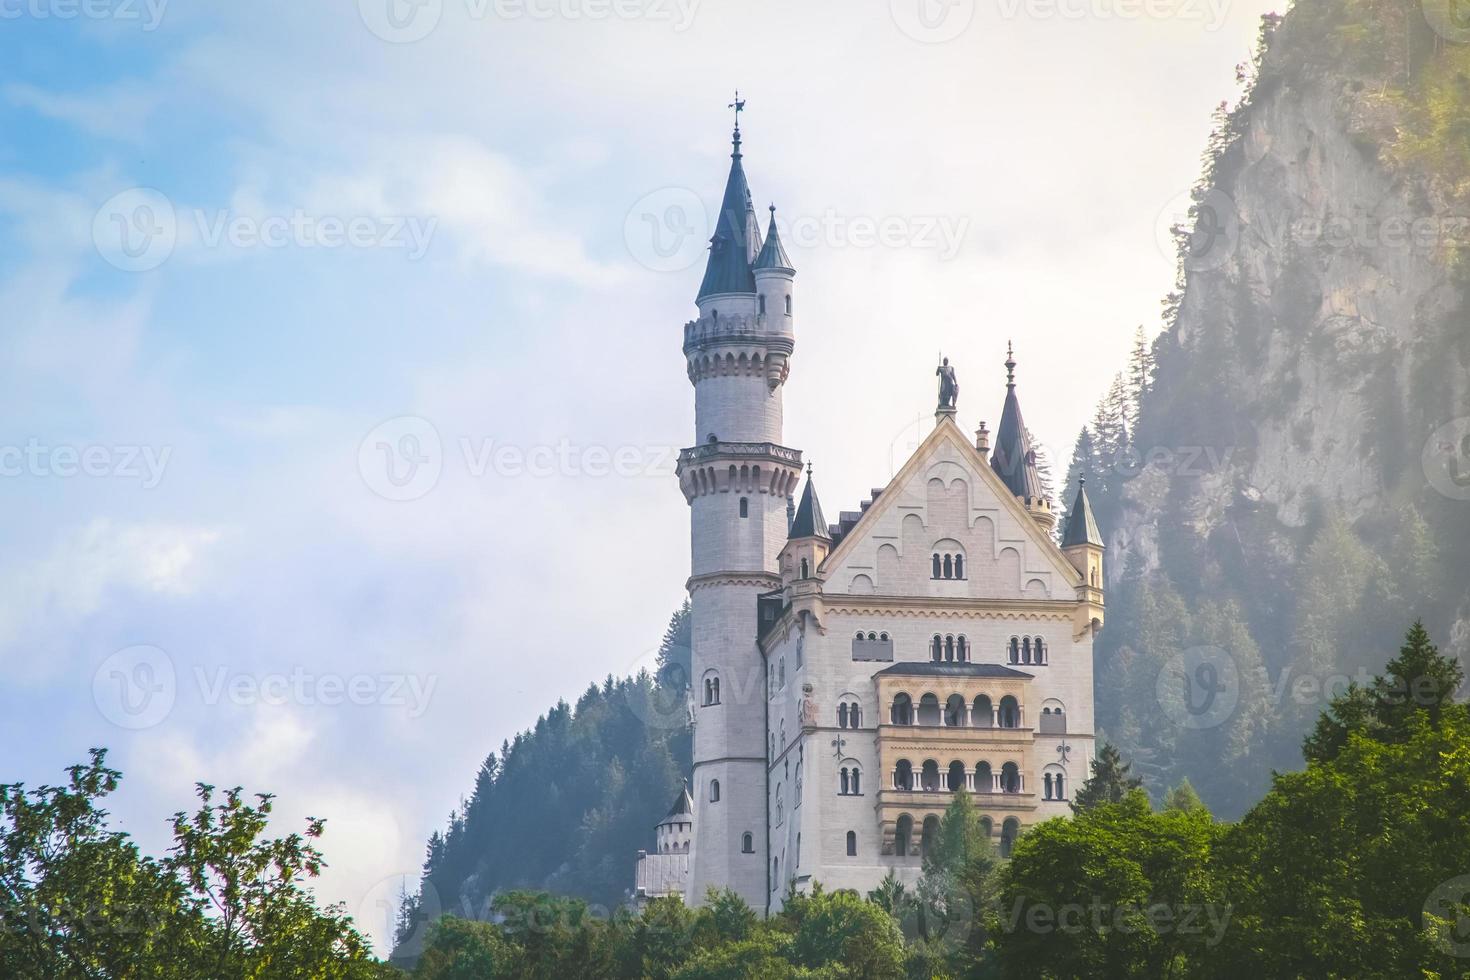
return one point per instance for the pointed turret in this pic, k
(809, 521)
(809, 541)
(1014, 460)
(1082, 543)
(1081, 525)
(731, 247)
(675, 831)
(773, 253)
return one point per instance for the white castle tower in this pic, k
(737, 479)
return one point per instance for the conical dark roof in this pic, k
(809, 521)
(1013, 459)
(730, 249)
(1081, 525)
(773, 254)
(683, 805)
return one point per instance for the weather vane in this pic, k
(738, 105)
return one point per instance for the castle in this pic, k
(848, 677)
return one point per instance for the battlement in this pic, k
(715, 331)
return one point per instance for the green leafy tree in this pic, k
(839, 929)
(1183, 798)
(459, 949)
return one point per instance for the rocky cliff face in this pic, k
(1320, 338)
(1319, 342)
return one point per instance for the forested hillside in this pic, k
(566, 806)
(1277, 472)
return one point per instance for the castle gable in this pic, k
(948, 527)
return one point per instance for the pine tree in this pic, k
(1420, 678)
(1109, 783)
(674, 657)
(1183, 797)
(1140, 376)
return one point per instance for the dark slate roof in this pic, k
(683, 806)
(809, 521)
(1081, 525)
(928, 668)
(728, 270)
(1013, 459)
(773, 254)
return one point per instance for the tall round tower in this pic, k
(737, 479)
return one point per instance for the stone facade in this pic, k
(848, 678)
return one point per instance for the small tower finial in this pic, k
(1010, 365)
(739, 106)
(808, 468)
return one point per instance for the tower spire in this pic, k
(733, 245)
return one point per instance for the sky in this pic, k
(340, 370)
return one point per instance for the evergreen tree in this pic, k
(1110, 781)
(1183, 797)
(1140, 376)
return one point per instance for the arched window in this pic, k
(1010, 713)
(1015, 652)
(903, 775)
(716, 685)
(1059, 786)
(949, 649)
(1040, 651)
(955, 779)
(929, 776)
(788, 306)
(744, 506)
(984, 778)
(714, 791)
(948, 567)
(903, 836)
(872, 637)
(1046, 786)
(883, 637)
(842, 716)
(780, 808)
(937, 566)
(781, 673)
(844, 786)
(954, 711)
(857, 781)
(929, 713)
(763, 305)
(959, 566)
(797, 800)
(930, 832)
(747, 843)
(852, 843)
(983, 715)
(962, 650)
(806, 569)
(855, 715)
(1010, 779)
(936, 649)
(1026, 650)
(903, 710)
(1008, 833)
